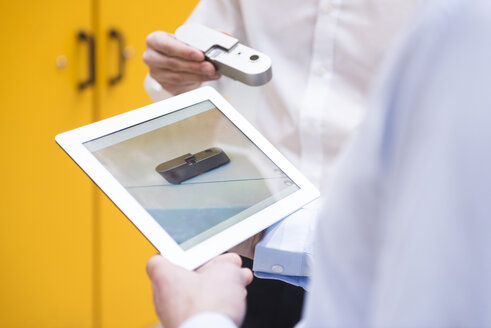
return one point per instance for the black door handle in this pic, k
(118, 37)
(89, 39)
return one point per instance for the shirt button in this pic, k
(327, 8)
(277, 268)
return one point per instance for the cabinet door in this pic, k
(125, 295)
(46, 222)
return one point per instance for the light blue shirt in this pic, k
(405, 237)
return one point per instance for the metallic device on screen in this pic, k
(188, 166)
(230, 57)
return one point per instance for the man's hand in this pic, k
(175, 65)
(217, 286)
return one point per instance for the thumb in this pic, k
(159, 268)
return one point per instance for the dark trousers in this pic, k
(272, 303)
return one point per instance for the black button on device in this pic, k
(254, 57)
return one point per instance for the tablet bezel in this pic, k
(72, 142)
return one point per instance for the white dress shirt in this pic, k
(325, 55)
(405, 235)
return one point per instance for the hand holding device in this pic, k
(175, 65)
(217, 286)
(230, 57)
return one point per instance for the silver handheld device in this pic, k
(230, 58)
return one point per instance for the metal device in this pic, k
(230, 57)
(188, 166)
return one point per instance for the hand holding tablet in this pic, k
(190, 173)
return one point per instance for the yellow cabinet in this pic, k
(126, 299)
(68, 258)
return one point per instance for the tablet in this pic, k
(190, 173)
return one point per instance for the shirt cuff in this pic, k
(208, 319)
(285, 252)
(300, 281)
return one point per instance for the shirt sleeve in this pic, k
(285, 252)
(208, 319)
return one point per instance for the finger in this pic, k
(165, 43)
(154, 265)
(230, 258)
(225, 32)
(179, 78)
(154, 60)
(247, 275)
(225, 258)
(159, 270)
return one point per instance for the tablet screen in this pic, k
(193, 171)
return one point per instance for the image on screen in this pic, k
(193, 171)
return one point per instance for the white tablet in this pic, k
(190, 173)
